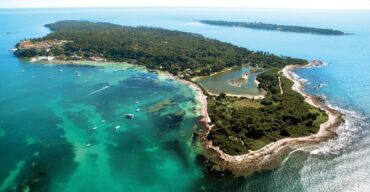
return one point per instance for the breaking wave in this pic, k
(351, 130)
(341, 164)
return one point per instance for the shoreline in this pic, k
(189, 83)
(266, 158)
(214, 73)
(238, 95)
(200, 96)
(273, 154)
(33, 60)
(82, 63)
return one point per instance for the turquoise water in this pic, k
(230, 82)
(65, 132)
(45, 124)
(62, 134)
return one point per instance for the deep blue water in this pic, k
(338, 165)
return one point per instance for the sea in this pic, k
(64, 127)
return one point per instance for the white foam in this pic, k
(324, 64)
(347, 133)
(303, 80)
(294, 75)
(341, 164)
(346, 172)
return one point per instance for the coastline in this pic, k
(273, 154)
(198, 91)
(266, 158)
(83, 63)
(239, 96)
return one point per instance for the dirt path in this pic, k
(281, 89)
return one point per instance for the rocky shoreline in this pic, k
(271, 155)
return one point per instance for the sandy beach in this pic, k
(236, 95)
(271, 155)
(200, 96)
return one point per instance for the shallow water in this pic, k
(230, 82)
(74, 131)
(45, 124)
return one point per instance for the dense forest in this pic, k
(275, 27)
(174, 51)
(241, 124)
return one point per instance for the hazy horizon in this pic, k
(268, 4)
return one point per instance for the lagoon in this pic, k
(235, 81)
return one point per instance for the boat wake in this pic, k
(97, 91)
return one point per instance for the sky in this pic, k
(294, 4)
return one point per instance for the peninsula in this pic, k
(275, 27)
(231, 126)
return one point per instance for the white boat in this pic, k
(138, 109)
(117, 127)
(94, 128)
(88, 145)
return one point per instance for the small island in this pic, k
(275, 27)
(232, 128)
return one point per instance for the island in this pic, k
(238, 134)
(275, 27)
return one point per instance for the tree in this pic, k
(221, 96)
